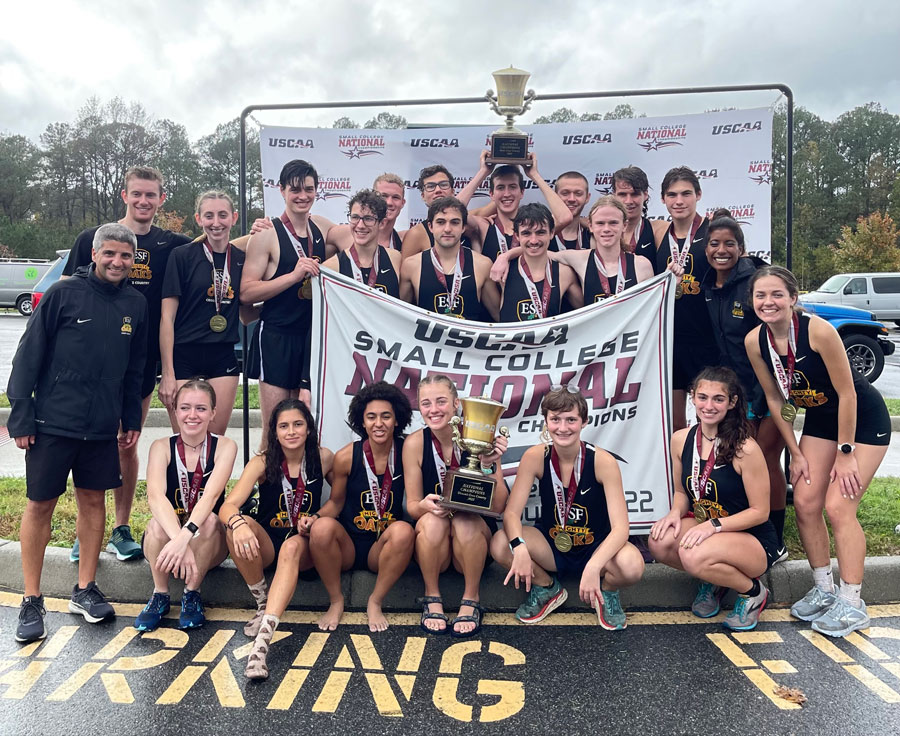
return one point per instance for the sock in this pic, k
(260, 593)
(754, 589)
(823, 579)
(850, 593)
(267, 630)
(777, 519)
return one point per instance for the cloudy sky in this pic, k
(201, 63)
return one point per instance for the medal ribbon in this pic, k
(190, 489)
(636, 236)
(381, 492)
(785, 377)
(604, 276)
(680, 254)
(295, 241)
(439, 462)
(564, 502)
(698, 480)
(453, 293)
(356, 268)
(219, 283)
(502, 245)
(293, 496)
(541, 302)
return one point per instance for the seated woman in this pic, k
(186, 474)
(443, 536)
(367, 499)
(289, 474)
(592, 542)
(720, 533)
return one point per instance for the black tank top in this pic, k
(588, 521)
(491, 245)
(358, 515)
(386, 280)
(289, 311)
(725, 494)
(396, 240)
(691, 315)
(593, 286)
(559, 244)
(272, 514)
(434, 297)
(431, 481)
(812, 388)
(645, 245)
(173, 483)
(517, 305)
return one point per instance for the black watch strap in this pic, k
(192, 527)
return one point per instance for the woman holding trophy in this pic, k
(431, 459)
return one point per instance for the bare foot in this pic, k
(332, 617)
(377, 620)
(435, 624)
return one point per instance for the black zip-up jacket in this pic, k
(77, 371)
(732, 316)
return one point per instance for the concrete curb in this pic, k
(661, 587)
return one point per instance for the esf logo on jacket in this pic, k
(126, 325)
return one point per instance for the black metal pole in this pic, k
(245, 382)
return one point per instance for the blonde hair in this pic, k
(436, 378)
(214, 194)
(391, 179)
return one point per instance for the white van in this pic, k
(875, 292)
(18, 277)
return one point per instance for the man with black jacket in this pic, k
(75, 377)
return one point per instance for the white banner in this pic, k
(617, 352)
(730, 151)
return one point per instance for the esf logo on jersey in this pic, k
(603, 182)
(291, 143)
(442, 302)
(434, 143)
(525, 310)
(737, 128)
(358, 146)
(707, 173)
(655, 137)
(333, 187)
(760, 172)
(586, 138)
(141, 257)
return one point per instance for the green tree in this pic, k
(562, 115)
(386, 120)
(345, 122)
(19, 176)
(871, 247)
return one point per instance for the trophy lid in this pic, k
(511, 86)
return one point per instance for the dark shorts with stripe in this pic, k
(209, 360)
(94, 465)
(278, 358)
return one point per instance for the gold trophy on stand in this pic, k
(467, 488)
(509, 145)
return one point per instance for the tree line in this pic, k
(846, 179)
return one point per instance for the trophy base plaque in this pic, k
(509, 148)
(467, 491)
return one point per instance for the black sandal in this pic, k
(475, 619)
(431, 615)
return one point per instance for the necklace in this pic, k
(193, 447)
(710, 439)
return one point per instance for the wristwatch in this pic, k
(716, 525)
(846, 448)
(192, 528)
(513, 543)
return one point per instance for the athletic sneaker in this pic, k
(191, 611)
(611, 615)
(708, 601)
(842, 618)
(541, 601)
(31, 619)
(74, 553)
(745, 615)
(781, 555)
(813, 604)
(91, 603)
(122, 544)
(150, 617)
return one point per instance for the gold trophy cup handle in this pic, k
(454, 424)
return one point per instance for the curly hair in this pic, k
(274, 455)
(379, 391)
(735, 428)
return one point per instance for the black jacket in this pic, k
(77, 371)
(732, 316)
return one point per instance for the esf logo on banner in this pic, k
(603, 182)
(434, 142)
(654, 137)
(586, 138)
(760, 172)
(737, 128)
(360, 146)
(333, 187)
(291, 143)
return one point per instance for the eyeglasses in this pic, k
(367, 219)
(442, 185)
(568, 387)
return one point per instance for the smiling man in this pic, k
(75, 379)
(391, 188)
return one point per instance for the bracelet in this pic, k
(236, 513)
(489, 470)
(238, 526)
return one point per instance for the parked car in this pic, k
(878, 293)
(865, 339)
(18, 277)
(51, 276)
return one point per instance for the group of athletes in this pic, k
(90, 357)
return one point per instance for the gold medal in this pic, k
(305, 290)
(700, 513)
(563, 542)
(217, 323)
(678, 290)
(788, 413)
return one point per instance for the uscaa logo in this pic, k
(333, 187)
(654, 137)
(707, 173)
(760, 172)
(357, 146)
(603, 182)
(737, 128)
(291, 143)
(434, 142)
(586, 138)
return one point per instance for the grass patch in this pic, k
(253, 394)
(893, 406)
